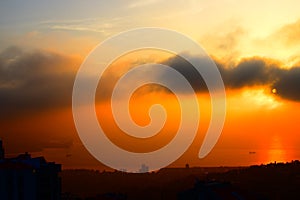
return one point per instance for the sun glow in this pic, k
(259, 98)
(274, 90)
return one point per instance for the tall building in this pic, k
(27, 178)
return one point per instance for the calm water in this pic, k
(217, 157)
(246, 157)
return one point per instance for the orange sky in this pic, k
(256, 49)
(257, 120)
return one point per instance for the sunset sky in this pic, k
(255, 44)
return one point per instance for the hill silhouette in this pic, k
(271, 181)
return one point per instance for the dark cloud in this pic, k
(40, 80)
(31, 81)
(248, 72)
(187, 70)
(288, 85)
(266, 73)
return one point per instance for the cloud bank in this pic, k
(33, 81)
(249, 72)
(39, 80)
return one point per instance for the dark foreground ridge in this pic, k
(271, 181)
(27, 178)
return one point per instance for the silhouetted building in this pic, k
(1, 150)
(27, 178)
(144, 169)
